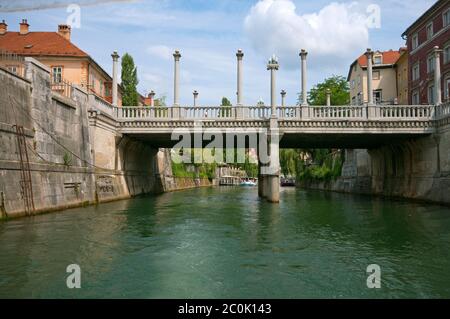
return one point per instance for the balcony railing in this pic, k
(62, 87)
(12, 62)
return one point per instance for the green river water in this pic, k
(226, 243)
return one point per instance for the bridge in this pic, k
(303, 126)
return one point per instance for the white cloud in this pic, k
(337, 33)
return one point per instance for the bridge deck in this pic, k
(299, 126)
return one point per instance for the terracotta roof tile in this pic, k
(389, 57)
(39, 43)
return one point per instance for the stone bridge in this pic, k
(367, 126)
(299, 126)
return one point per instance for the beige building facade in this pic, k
(384, 78)
(402, 77)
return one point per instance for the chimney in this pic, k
(3, 27)
(24, 27)
(64, 30)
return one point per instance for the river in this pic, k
(225, 243)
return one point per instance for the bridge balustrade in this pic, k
(389, 112)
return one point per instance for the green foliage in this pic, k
(339, 92)
(67, 158)
(288, 161)
(225, 102)
(179, 170)
(130, 81)
(251, 169)
(327, 166)
(226, 107)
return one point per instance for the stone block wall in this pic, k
(75, 158)
(416, 169)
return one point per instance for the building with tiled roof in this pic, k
(384, 78)
(67, 62)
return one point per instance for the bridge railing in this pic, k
(383, 112)
(442, 110)
(103, 106)
(401, 112)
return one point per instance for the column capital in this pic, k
(239, 54)
(115, 56)
(369, 54)
(177, 55)
(272, 64)
(303, 54)
(437, 50)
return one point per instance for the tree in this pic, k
(325, 161)
(130, 81)
(340, 92)
(225, 102)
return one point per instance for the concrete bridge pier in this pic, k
(260, 181)
(269, 174)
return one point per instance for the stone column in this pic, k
(369, 55)
(328, 97)
(437, 76)
(239, 56)
(283, 95)
(115, 58)
(303, 55)
(195, 93)
(152, 98)
(272, 65)
(176, 78)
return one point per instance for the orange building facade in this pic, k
(66, 61)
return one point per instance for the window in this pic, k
(57, 74)
(447, 88)
(353, 84)
(378, 59)
(359, 80)
(431, 94)
(430, 63)
(415, 41)
(415, 98)
(359, 98)
(429, 31)
(446, 18)
(12, 68)
(354, 100)
(415, 72)
(376, 75)
(447, 53)
(378, 96)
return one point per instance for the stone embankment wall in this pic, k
(75, 155)
(417, 169)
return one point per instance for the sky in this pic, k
(209, 32)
